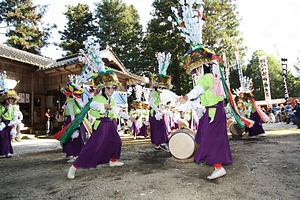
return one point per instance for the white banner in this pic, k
(263, 65)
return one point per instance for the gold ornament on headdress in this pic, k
(94, 68)
(162, 79)
(245, 91)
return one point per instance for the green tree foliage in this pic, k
(220, 31)
(78, 28)
(252, 70)
(293, 85)
(5, 8)
(119, 28)
(24, 22)
(132, 40)
(161, 36)
(275, 76)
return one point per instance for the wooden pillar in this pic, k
(32, 99)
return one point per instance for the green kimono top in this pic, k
(136, 113)
(76, 108)
(97, 114)
(209, 98)
(156, 95)
(253, 109)
(7, 115)
(133, 113)
(145, 113)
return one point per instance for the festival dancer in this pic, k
(145, 120)
(137, 114)
(214, 148)
(72, 108)
(256, 114)
(104, 145)
(9, 116)
(158, 127)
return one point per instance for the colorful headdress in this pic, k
(94, 68)
(137, 104)
(145, 106)
(162, 79)
(190, 21)
(108, 78)
(7, 87)
(74, 87)
(246, 89)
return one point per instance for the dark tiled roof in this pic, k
(47, 63)
(74, 59)
(66, 61)
(25, 57)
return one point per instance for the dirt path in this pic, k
(263, 168)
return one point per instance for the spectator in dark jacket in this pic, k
(297, 113)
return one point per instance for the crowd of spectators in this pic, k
(281, 113)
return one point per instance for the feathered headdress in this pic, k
(74, 87)
(245, 93)
(138, 92)
(246, 89)
(162, 79)
(95, 67)
(190, 20)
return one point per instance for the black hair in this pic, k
(103, 93)
(206, 68)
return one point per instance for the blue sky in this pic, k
(270, 25)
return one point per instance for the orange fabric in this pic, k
(219, 165)
(248, 122)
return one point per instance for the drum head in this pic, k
(236, 132)
(182, 145)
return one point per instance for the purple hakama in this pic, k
(159, 131)
(135, 129)
(5, 140)
(73, 146)
(143, 130)
(104, 144)
(212, 138)
(257, 128)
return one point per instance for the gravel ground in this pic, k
(263, 168)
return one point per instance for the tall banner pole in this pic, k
(263, 65)
(284, 76)
(226, 70)
(240, 72)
